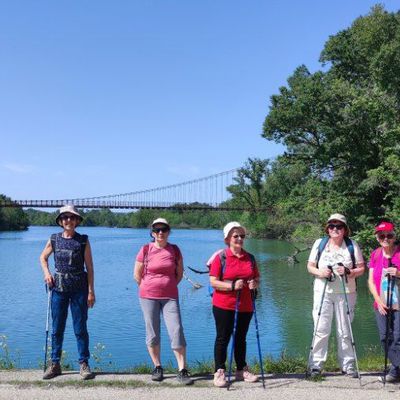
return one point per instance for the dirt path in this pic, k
(27, 384)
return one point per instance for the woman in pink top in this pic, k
(384, 265)
(158, 270)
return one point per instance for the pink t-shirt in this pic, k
(378, 262)
(159, 272)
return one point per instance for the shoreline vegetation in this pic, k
(371, 361)
(340, 127)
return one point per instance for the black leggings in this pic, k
(224, 320)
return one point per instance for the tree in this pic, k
(12, 218)
(344, 124)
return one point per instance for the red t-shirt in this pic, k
(235, 268)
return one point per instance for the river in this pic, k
(116, 325)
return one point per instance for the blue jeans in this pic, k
(59, 311)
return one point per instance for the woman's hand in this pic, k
(382, 308)
(325, 273)
(392, 271)
(253, 284)
(91, 299)
(239, 284)
(49, 280)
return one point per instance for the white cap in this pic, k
(338, 217)
(160, 221)
(229, 226)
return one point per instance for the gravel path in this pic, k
(27, 384)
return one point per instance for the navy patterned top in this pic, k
(69, 254)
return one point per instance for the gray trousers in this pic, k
(169, 309)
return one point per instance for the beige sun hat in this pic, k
(338, 217)
(160, 221)
(231, 225)
(69, 208)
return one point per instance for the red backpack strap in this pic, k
(177, 253)
(145, 257)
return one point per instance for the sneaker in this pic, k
(53, 370)
(219, 378)
(351, 372)
(314, 373)
(389, 379)
(246, 375)
(183, 377)
(158, 374)
(85, 371)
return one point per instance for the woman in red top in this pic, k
(239, 273)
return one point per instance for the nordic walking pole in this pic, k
(48, 291)
(389, 301)
(194, 284)
(353, 344)
(233, 336)
(253, 297)
(316, 327)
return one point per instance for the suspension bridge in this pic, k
(208, 193)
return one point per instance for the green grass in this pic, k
(372, 360)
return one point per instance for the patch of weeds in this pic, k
(202, 368)
(101, 360)
(7, 361)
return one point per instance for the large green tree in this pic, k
(343, 123)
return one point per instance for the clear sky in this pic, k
(100, 97)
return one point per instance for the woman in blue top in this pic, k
(71, 285)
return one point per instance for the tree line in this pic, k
(141, 218)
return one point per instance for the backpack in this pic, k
(349, 244)
(222, 258)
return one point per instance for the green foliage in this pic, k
(341, 129)
(101, 359)
(7, 361)
(201, 218)
(12, 218)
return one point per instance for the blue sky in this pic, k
(101, 97)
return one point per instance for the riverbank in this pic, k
(27, 384)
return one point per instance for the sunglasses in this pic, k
(237, 236)
(337, 226)
(158, 230)
(67, 217)
(382, 236)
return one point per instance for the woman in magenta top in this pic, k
(158, 270)
(239, 273)
(384, 264)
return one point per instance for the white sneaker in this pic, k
(219, 378)
(246, 375)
